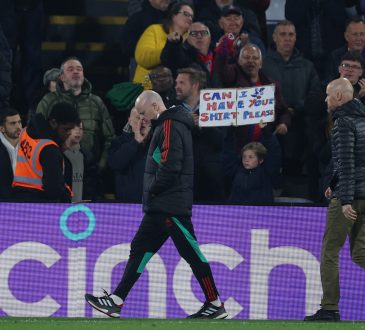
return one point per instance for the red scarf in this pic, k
(207, 60)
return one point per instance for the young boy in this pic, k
(252, 182)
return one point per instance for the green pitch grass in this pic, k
(11, 323)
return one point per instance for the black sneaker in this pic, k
(324, 315)
(209, 311)
(104, 304)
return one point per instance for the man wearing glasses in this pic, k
(355, 42)
(351, 68)
(195, 52)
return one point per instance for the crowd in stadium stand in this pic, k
(178, 48)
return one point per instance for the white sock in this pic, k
(216, 302)
(117, 300)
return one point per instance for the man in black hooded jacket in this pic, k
(167, 204)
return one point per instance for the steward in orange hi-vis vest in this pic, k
(28, 171)
(40, 164)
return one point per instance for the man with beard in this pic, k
(10, 128)
(207, 141)
(72, 87)
(39, 167)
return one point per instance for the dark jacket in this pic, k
(127, 158)
(332, 18)
(5, 71)
(252, 186)
(208, 145)
(209, 13)
(98, 127)
(51, 159)
(256, 185)
(135, 26)
(178, 55)
(6, 177)
(333, 62)
(297, 77)
(169, 173)
(348, 152)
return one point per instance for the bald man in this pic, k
(346, 210)
(167, 204)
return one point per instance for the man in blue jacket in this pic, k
(167, 204)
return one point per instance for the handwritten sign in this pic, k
(237, 107)
(255, 104)
(218, 107)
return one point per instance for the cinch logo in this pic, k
(263, 260)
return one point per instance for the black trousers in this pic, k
(153, 231)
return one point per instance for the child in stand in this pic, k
(253, 179)
(80, 173)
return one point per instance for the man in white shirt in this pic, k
(10, 128)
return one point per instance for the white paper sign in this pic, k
(237, 107)
(255, 104)
(217, 107)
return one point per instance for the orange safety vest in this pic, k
(28, 170)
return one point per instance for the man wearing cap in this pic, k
(50, 79)
(210, 13)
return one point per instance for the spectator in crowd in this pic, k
(259, 7)
(73, 88)
(195, 52)
(345, 214)
(79, 173)
(246, 72)
(163, 83)
(50, 79)
(39, 167)
(320, 123)
(10, 128)
(23, 25)
(152, 12)
(5, 72)
(210, 12)
(127, 158)
(319, 26)
(254, 173)
(231, 23)
(297, 78)
(153, 39)
(207, 141)
(355, 42)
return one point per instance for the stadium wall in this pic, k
(265, 260)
